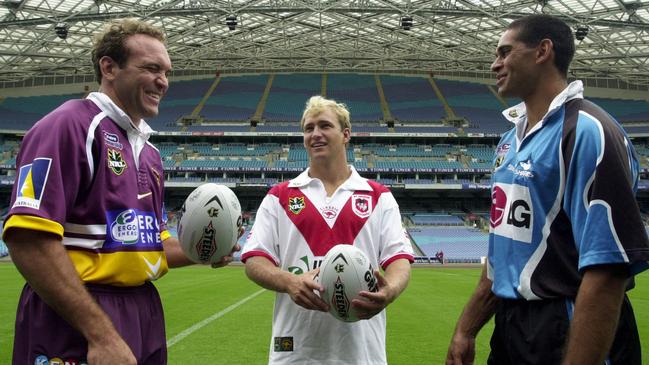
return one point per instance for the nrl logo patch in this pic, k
(296, 204)
(116, 162)
(362, 205)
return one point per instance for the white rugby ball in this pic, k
(209, 225)
(345, 271)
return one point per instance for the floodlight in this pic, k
(231, 22)
(61, 30)
(406, 22)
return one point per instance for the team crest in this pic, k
(501, 151)
(116, 162)
(362, 205)
(296, 204)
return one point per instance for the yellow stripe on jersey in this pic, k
(33, 223)
(123, 268)
(164, 235)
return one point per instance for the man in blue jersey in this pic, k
(566, 236)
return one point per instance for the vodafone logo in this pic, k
(498, 205)
(512, 212)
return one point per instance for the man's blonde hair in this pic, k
(111, 41)
(318, 104)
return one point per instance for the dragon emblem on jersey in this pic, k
(362, 205)
(116, 162)
(296, 204)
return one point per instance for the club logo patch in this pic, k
(296, 204)
(501, 151)
(362, 205)
(116, 162)
(283, 344)
(31, 183)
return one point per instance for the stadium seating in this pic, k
(289, 94)
(181, 100)
(412, 99)
(359, 93)
(459, 244)
(235, 98)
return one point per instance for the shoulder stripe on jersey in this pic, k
(600, 156)
(90, 139)
(611, 226)
(525, 279)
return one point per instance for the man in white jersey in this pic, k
(299, 221)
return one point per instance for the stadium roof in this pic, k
(447, 37)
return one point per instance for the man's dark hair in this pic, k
(532, 29)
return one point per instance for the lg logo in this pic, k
(511, 205)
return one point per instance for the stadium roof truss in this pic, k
(51, 38)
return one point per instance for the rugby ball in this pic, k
(209, 224)
(345, 271)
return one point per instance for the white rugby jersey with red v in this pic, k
(296, 225)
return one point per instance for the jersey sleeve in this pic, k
(51, 167)
(263, 237)
(395, 243)
(600, 195)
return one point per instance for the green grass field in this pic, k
(220, 317)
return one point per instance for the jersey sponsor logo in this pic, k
(362, 205)
(329, 212)
(512, 215)
(283, 344)
(303, 265)
(132, 227)
(296, 204)
(112, 140)
(116, 162)
(31, 183)
(41, 360)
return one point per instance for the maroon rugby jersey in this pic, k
(88, 175)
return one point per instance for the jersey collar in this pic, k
(120, 118)
(518, 113)
(354, 182)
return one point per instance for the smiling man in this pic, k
(566, 235)
(86, 226)
(299, 221)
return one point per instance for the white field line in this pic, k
(179, 337)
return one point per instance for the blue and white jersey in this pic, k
(563, 199)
